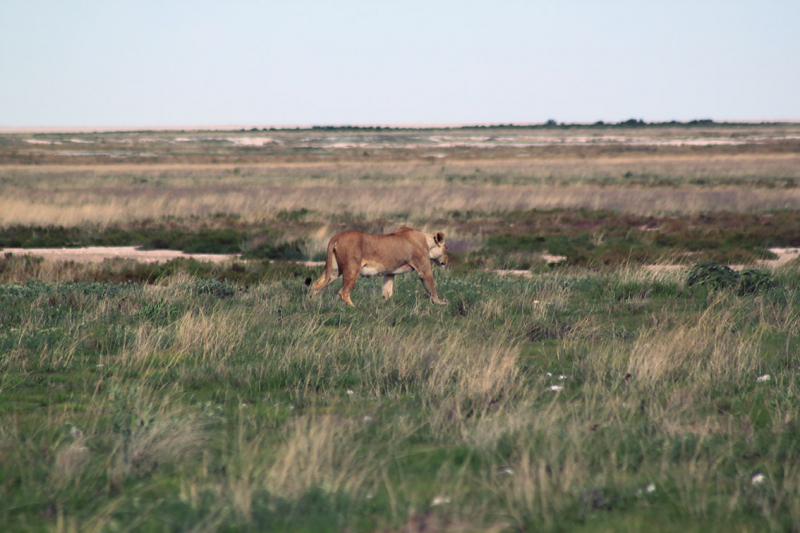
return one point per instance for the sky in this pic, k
(299, 62)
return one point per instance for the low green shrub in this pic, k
(289, 251)
(713, 275)
(752, 281)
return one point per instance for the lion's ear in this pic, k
(439, 238)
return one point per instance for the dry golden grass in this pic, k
(320, 452)
(408, 202)
(67, 196)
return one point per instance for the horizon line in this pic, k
(261, 127)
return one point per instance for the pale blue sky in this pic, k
(137, 63)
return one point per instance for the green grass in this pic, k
(16, 268)
(218, 234)
(596, 396)
(606, 238)
(191, 400)
(595, 239)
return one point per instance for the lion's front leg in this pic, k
(388, 286)
(426, 277)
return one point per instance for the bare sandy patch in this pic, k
(527, 274)
(784, 256)
(97, 254)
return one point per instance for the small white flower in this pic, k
(244, 404)
(556, 388)
(367, 419)
(440, 500)
(100, 365)
(562, 377)
(350, 392)
(548, 374)
(507, 471)
(647, 489)
(75, 431)
(291, 407)
(757, 479)
(764, 378)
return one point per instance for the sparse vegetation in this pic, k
(547, 404)
(592, 238)
(595, 396)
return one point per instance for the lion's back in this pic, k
(392, 249)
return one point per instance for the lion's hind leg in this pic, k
(388, 286)
(349, 278)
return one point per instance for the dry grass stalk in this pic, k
(320, 452)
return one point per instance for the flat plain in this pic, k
(597, 394)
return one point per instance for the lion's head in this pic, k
(437, 249)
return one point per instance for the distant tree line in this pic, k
(549, 124)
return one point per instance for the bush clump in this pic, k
(752, 281)
(714, 275)
(289, 251)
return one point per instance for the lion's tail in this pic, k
(331, 263)
(327, 272)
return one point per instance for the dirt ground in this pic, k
(97, 254)
(784, 256)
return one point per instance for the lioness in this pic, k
(354, 252)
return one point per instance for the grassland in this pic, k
(200, 404)
(594, 396)
(104, 179)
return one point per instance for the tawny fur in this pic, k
(354, 253)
